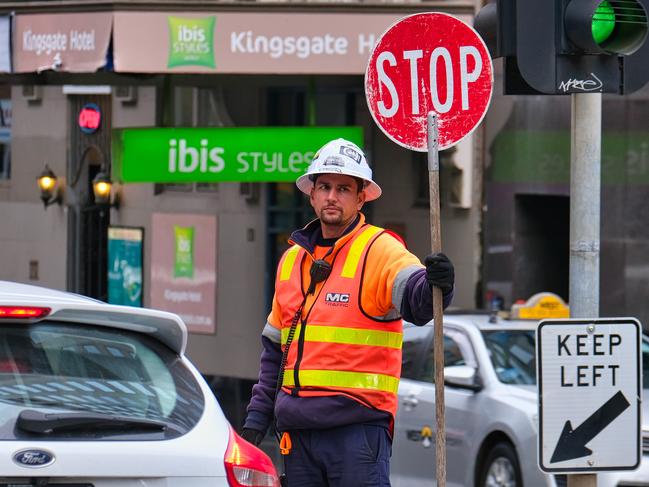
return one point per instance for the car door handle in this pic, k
(423, 436)
(410, 402)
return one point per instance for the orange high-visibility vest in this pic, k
(337, 349)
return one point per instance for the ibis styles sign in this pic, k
(244, 154)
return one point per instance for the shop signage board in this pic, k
(429, 62)
(220, 154)
(247, 42)
(89, 119)
(125, 265)
(183, 268)
(590, 389)
(71, 42)
(197, 42)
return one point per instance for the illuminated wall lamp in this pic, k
(50, 190)
(102, 187)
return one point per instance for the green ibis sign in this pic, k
(243, 154)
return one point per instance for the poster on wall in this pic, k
(125, 265)
(183, 268)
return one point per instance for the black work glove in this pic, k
(440, 272)
(252, 436)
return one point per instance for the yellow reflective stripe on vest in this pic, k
(289, 261)
(354, 255)
(339, 379)
(349, 336)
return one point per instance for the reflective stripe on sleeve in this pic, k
(340, 379)
(289, 261)
(350, 336)
(272, 333)
(354, 255)
(399, 284)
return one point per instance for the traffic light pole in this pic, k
(585, 189)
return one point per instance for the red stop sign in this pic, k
(428, 62)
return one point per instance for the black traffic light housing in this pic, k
(568, 46)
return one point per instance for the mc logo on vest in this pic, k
(337, 299)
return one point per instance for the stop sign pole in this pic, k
(438, 311)
(428, 85)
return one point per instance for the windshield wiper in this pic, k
(47, 423)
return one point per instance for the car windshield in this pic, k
(512, 354)
(54, 367)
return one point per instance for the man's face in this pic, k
(336, 201)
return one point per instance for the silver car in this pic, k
(491, 408)
(95, 395)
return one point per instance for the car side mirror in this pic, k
(462, 376)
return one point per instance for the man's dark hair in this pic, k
(360, 182)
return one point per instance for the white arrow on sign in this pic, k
(572, 442)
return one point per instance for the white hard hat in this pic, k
(340, 157)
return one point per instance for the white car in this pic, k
(96, 395)
(491, 408)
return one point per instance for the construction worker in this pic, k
(333, 336)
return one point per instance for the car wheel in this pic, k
(501, 468)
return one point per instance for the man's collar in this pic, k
(311, 235)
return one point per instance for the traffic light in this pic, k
(568, 46)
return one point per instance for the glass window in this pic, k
(513, 355)
(452, 356)
(645, 363)
(415, 341)
(418, 361)
(5, 138)
(55, 367)
(421, 185)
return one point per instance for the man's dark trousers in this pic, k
(355, 455)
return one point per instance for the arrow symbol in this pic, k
(572, 443)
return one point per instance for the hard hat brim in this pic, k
(305, 184)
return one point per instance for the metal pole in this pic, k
(585, 188)
(438, 343)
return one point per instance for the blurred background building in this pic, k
(81, 82)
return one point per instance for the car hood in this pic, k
(522, 393)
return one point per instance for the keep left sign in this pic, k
(590, 391)
(429, 62)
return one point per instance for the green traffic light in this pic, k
(603, 22)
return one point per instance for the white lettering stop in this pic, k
(442, 102)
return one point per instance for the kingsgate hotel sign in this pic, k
(278, 43)
(199, 42)
(72, 42)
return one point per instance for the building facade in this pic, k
(86, 82)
